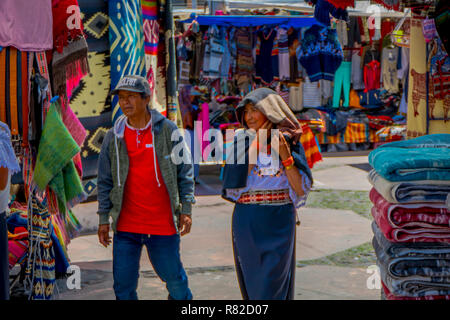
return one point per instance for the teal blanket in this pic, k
(422, 158)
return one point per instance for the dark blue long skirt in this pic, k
(264, 251)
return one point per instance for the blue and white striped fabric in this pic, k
(126, 36)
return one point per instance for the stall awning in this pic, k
(253, 21)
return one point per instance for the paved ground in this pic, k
(327, 269)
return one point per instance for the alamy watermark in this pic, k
(374, 280)
(74, 280)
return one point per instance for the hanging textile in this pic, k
(126, 36)
(173, 112)
(151, 40)
(93, 107)
(419, 94)
(69, 61)
(308, 141)
(26, 25)
(266, 65)
(54, 166)
(320, 53)
(14, 102)
(40, 268)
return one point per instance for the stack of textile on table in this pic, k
(411, 198)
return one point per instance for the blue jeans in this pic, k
(164, 254)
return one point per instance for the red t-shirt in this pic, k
(145, 207)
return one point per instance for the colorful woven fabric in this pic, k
(17, 252)
(266, 197)
(308, 140)
(67, 24)
(93, 107)
(76, 129)
(40, 268)
(14, 94)
(244, 63)
(126, 36)
(151, 40)
(54, 165)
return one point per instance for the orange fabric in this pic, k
(3, 85)
(308, 141)
(354, 100)
(13, 90)
(146, 207)
(355, 133)
(25, 102)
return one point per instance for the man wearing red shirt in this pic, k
(148, 197)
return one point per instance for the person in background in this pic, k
(266, 196)
(148, 196)
(8, 166)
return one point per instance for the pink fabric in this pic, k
(204, 117)
(73, 125)
(420, 215)
(409, 234)
(26, 25)
(74, 82)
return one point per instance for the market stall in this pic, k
(351, 101)
(43, 57)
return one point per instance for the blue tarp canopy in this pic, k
(253, 21)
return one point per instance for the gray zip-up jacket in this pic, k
(113, 167)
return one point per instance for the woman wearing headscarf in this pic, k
(266, 195)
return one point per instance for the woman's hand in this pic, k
(285, 150)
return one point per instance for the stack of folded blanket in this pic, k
(411, 210)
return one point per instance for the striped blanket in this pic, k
(126, 36)
(14, 87)
(422, 158)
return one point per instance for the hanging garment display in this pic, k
(214, 52)
(283, 54)
(372, 74)
(296, 98)
(389, 61)
(357, 77)
(312, 96)
(342, 80)
(320, 53)
(151, 39)
(266, 65)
